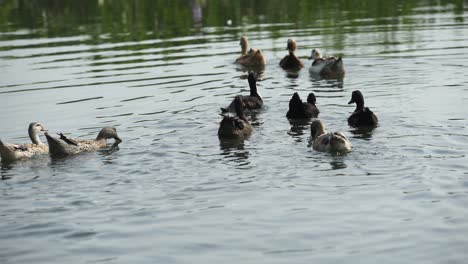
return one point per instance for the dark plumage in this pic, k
(235, 127)
(298, 109)
(290, 61)
(252, 101)
(362, 116)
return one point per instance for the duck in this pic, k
(290, 61)
(250, 57)
(362, 116)
(299, 109)
(252, 101)
(235, 127)
(327, 68)
(328, 142)
(65, 146)
(11, 152)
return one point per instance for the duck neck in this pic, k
(245, 47)
(360, 105)
(101, 141)
(34, 136)
(253, 88)
(291, 52)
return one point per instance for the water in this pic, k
(172, 193)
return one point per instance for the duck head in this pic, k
(108, 133)
(33, 131)
(317, 128)
(291, 45)
(316, 54)
(358, 99)
(311, 98)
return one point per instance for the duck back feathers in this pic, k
(299, 109)
(235, 127)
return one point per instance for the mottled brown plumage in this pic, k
(11, 152)
(65, 146)
(250, 57)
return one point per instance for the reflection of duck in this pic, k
(11, 152)
(329, 142)
(290, 61)
(328, 68)
(235, 126)
(252, 101)
(252, 57)
(298, 109)
(65, 146)
(362, 116)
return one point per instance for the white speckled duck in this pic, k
(328, 67)
(328, 142)
(11, 152)
(64, 146)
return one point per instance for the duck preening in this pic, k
(11, 152)
(65, 146)
(328, 67)
(299, 109)
(250, 57)
(290, 61)
(362, 116)
(252, 101)
(235, 127)
(328, 142)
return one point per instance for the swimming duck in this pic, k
(290, 61)
(65, 146)
(362, 116)
(252, 101)
(250, 57)
(328, 142)
(299, 109)
(11, 152)
(235, 127)
(328, 68)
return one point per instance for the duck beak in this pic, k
(352, 101)
(117, 140)
(309, 58)
(44, 129)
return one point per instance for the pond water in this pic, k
(172, 193)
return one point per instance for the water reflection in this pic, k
(362, 132)
(298, 126)
(233, 150)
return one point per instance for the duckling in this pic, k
(328, 142)
(362, 116)
(298, 109)
(235, 127)
(11, 152)
(252, 101)
(328, 68)
(65, 146)
(291, 62)
(252, 57)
